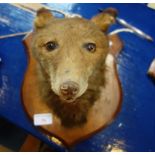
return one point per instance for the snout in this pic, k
(69, 90)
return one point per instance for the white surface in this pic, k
(42, 119)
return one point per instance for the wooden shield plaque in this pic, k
(101, 114)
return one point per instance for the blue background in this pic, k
(134, 128)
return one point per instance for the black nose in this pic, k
(69, 89)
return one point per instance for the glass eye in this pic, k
(91, 47)
(51, 45)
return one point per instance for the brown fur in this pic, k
(72, 114)
(70, 62)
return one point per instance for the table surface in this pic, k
(134, 128)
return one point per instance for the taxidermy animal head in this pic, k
(70, 50)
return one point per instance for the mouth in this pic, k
(68, 99)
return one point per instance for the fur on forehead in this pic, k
(103, 20)
(74, 29)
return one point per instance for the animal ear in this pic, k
(43, 17)
(104, 19)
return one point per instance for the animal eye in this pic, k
(51, 45)
(91, 47)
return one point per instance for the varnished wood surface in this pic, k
(101, 114)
